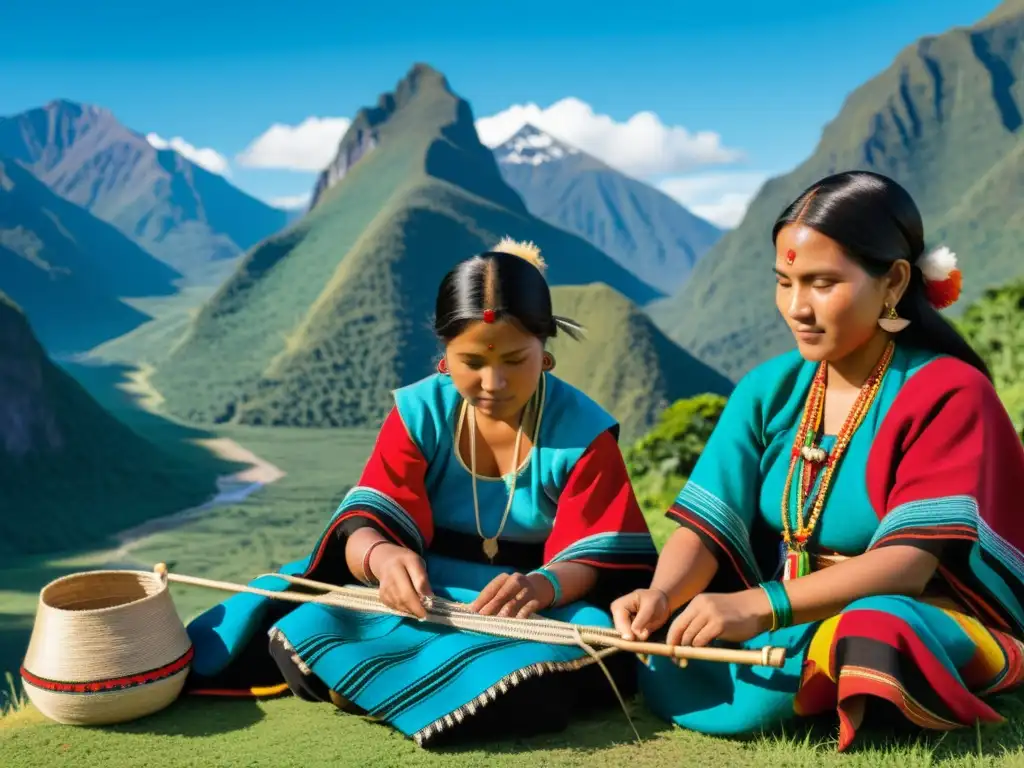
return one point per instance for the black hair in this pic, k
(876, 222)
(510, 286)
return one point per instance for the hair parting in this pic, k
(506, 283)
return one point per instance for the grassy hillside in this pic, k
(323, 321)
(192, 219)
(67, 269)
(71, 474)
(625, 363)
(642, 228)
(946, 121)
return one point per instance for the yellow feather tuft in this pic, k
(524, 250)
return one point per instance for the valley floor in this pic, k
(279, 522)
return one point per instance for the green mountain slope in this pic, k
(68, 269)
(945, 120)
(625, 363)
(70, 473)
(190, 218)
(323, 321)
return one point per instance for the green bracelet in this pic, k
(778, 599)
(553, 581)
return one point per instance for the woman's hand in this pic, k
(402, 577)
(640, 612)
(733, 617)
(514, 595)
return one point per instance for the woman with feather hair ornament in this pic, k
(858, 502)
(492, 483)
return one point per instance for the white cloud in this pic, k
(210, 159)
(721, 198)
(308, 146)
(292, 202)
(642, 146)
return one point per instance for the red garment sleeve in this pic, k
(598, 520)
(946, 474)
(391, 494)
(945, 454)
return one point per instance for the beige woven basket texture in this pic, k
(100, 625)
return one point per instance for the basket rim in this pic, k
(43, 604)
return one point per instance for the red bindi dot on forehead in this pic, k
(790, 256)
(490, 346)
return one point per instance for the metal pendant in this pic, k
(491, 548)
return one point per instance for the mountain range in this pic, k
(322, 319)
(71, 473)
(67, 269)
(194, 220)
(321, 322)
(643, 229)
(945, 120)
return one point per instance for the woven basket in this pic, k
(106, 647)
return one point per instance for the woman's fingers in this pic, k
(645, 616)
(708, 632)
(680, 625)
(408, 598)
(509, 588)
(487, 593)
(419, 578)
(529, 609)
(696, 624)
(517, 600)
(623, 611)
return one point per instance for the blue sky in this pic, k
(764, 76)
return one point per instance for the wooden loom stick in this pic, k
(767, 656)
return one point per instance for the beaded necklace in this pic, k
(815, 460)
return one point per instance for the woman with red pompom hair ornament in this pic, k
(858, 501)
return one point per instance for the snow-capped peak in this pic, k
(531, 146)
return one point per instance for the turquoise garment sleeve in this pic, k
(719, 500)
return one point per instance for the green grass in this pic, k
(290, 732)
(12, 699)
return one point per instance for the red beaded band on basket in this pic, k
(112, 684)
